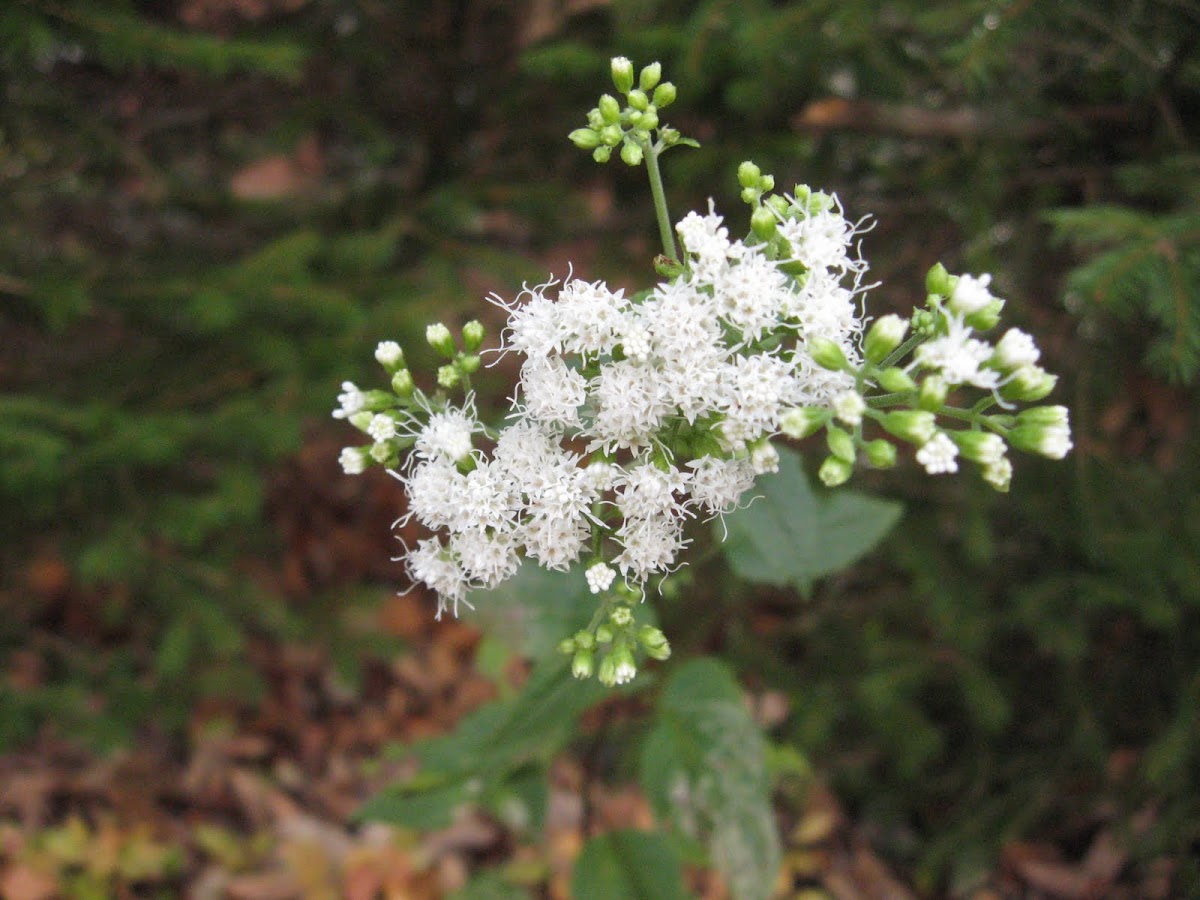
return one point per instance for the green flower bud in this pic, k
(668, 136)
(584, 639)
(1051, 441)
(1044, 415)
(384, 453)
(751, 195)
(448, 376)
(835, 472)
(763, 223)
(913, 425)
(566, 646)
(650, 76)
(654, 642)
(439, 338)
(585, 138)
(638, 100)
(611, 135)
(631, 154)
(582, 664)
(664, 94)
(885, 336)
(602, 154)
(609, 109)
(361, 420)
(827, 354)
(802, 421)
(622, 74)
(748, 174)
(402, 383)
(608, 671)
(604, 634)
(468, 364)
(779, 204)
(595, 119)
(896, 380)
(983, 447)
(1029, 384)
(881, 453)
(767, 183)
(622, 617)
(840, 443)
(937, 281)
(933, 393)
(473, 334)
(986, 318)
(649, 120)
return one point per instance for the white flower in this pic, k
(389, 354)
(959, 357)
(447, 435)
(353, 460)
(589, 317)
(938, 455)
(707, 240)
(381, 427)
(600, 577)
(751, 295)
(650, 545)
(629, 405)
(970, 294)
(822, 240)
(764, 458)
(553, 392)
(486, 558)
(431, 564)
(646, 490)
(717, 485)
(998, 474)
(533, 326)
(849, 407)
(351, 400)
(1015, 349)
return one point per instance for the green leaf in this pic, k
(704, 770)
(490, 886)
(417, 807)
(794, 535)
(627, 865)
(535, 609)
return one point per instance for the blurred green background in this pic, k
(211, 210)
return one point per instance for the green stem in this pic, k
(665, 232)
(900, 352)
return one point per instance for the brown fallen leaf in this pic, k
(22, 882)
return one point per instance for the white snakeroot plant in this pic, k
(635, 416)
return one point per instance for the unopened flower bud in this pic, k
(595, 119)
(1051, 441)
(840, 443)
(1057, 416)
(986, 318)
(582, 664)
(638, 100)
(896, 380)
(1014, 350)
(827, 354)
(648, 120)
(604, 634)
(611, 135)
(622, 617)
(608, 671)
(664, 95)
(382, 427)
(439, 338)
(654, 642)
(835, 472)
(402, 383)
(566, 646)
(585, 138)
(584, 639)
(937, 280)
(1029, 384)
(983, 447)
(610, 109)
(881, 453)
(970, 294)
(361, 420)
(650, 76)
(884, 337)
(849, 407)
(748, 174)
(448, 376)
(933, 393)
(917, 426)
(389, 355)
(622, 74)
(385, 454)
(473, 334)
(631, 154)
(468, 363)
(763, 223)
(802, 421)
(602, 154)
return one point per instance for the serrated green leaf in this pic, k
(704, 771)
(627, 865)
(793, 534)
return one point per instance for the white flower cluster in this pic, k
(633, 415)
